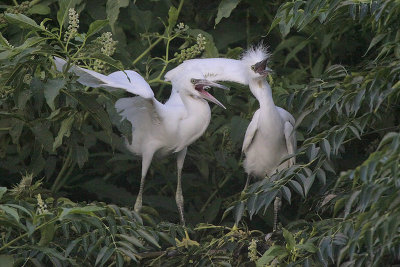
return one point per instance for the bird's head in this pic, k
(256, 59)
(194, 84)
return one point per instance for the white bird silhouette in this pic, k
(156, 127)
(269, 137)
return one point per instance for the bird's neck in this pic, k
(193, 104)
(262, 91)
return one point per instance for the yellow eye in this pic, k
(253, 67)
(193, 81)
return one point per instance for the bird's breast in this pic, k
(193, 125)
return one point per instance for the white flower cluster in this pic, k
(181, 27)
(107, 47)
(42, 207)
(73, 24)
(194, 50)
(108, 44)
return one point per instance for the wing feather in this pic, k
(251, 131)
(290, 135)
(128, 80)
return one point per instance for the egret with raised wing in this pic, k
(156, 127)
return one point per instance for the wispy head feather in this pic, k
(255, 54)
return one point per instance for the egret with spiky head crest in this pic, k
(269, 137)
(156, 127)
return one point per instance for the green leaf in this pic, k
(308, 246)
(239, 210)
(89, 103)
(375, 40)
(104, 253)
(52, 89)
(148, 237)
(286, 193)
(96, 26)
(47, 234)
(270, 254)
(81, 155)
(22, 21)
(297, 187)
(3, 41)
(62, 13)
(172, 18)
(39, 9)
(295, 50)
(10, 211)
(308, 182)
(289, 238)
(43, 135)
(238, 129)
(225, 8)
(2, 191)
(326, 147)
(65, 130)
(112, 9)
(87, 210)
(133, 240)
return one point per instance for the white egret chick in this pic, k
(156, 127)
(269, 137)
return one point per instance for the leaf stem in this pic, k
(26, 234)
(145, 52)
(60, 175)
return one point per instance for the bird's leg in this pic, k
(277, 207)
(186, 241)
(247, 182)
(146, 160)
(179, 196)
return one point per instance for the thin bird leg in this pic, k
(277, 207)
(247, 182)
(146, 160)
(179, 196)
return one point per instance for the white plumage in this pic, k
(156, 127)
(269, 137)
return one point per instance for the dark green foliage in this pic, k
(336, 69)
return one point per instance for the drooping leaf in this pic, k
(225, 9)
(89, 103)
(51, 90)
(23, 21)
(95, 27)
(112, 9)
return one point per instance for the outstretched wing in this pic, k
(251, 131)
(213, 69)
(128, 80)
(290, 135)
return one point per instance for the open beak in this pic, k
(201, 85)
(261, 67)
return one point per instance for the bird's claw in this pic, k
(186, 241)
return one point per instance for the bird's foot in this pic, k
(186, 242)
